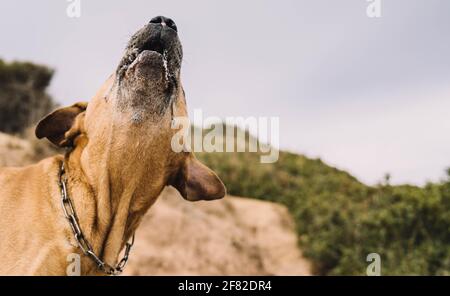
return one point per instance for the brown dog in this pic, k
(119, 160)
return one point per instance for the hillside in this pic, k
(23, 95)
(14, 151)
(233, 236)
(338, 221)
(341, 220)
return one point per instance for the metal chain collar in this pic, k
(69, 213)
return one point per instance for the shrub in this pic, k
(340, 220)
(23, 97)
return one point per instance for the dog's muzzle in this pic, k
(153, 49)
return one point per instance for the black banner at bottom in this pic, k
(226, 285)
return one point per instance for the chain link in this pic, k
(69, 213)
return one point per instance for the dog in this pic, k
(118, 160)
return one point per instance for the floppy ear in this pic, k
(59, 126)
(197, 182)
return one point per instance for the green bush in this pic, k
(340, 220)
(23, 97)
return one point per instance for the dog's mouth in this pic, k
(153, 48)
(147, 78)
(153, 53)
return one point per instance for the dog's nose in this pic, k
(164, 21)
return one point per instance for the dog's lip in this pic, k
(155, 45)
(165, 46)
(146, 56)
(151, 46)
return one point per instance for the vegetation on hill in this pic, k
(340, 220)
(23, 97)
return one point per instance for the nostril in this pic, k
(156, 20)
(164, 21)
(171, 24)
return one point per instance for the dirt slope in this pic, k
(233, 236)
(14, 151)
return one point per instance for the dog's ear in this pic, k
(63, 125)
(197, 182)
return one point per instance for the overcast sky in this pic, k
(367, 95)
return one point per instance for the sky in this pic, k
(367, 95)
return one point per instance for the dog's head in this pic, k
(128, 123)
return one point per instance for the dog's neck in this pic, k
(112, 195)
